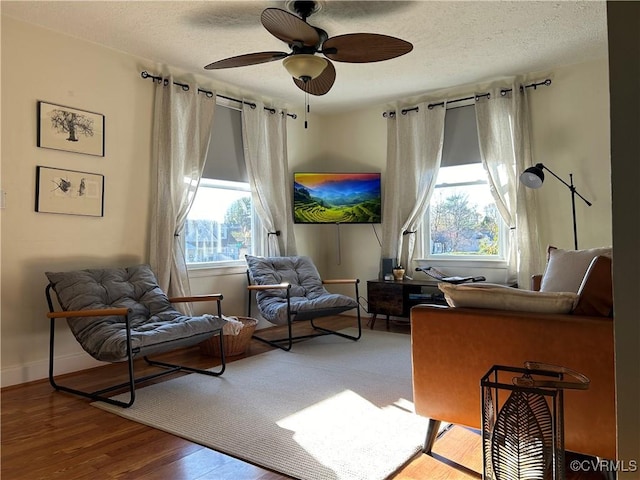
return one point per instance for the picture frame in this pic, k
(70, 129)
(69, 192)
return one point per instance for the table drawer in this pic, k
(385, 298)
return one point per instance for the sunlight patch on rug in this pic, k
(329, 419)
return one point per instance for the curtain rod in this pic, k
(185, 87)
(503, 92)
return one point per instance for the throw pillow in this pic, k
(567, 268)
(499, 297)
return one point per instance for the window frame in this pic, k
(499, 261)
(455, 132)
(226, 266)
(205, 269)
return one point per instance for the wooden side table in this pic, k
(396, 297)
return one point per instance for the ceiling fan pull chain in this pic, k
(306, 108)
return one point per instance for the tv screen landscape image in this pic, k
(337, 198)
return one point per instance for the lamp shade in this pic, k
(533, 177)
(304, 66)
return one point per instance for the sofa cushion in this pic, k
(596, 290)
(500, 297)
(567, 268)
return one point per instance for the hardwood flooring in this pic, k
(54, 435)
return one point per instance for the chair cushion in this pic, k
(566, 268)
(500, 297)
(155, 324)
(307, 292)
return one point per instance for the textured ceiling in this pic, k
(455, 42)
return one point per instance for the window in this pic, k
(220, 225)
(463, 220)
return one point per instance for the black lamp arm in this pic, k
(569, 186)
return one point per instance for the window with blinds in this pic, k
(462, 216)
(220, 225)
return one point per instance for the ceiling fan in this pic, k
(312, 73)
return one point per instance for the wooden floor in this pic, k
(54, 435)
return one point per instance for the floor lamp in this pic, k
(533, 177)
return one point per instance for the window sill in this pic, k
(494, 270)
(477, 262)
(212, 270)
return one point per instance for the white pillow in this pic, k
(566, 268)
(499, 297)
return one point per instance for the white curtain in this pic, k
(264, 135)
(414, 152)
(182, 123)
(503, 136)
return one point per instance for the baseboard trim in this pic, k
(32, 371)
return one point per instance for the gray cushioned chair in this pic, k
(289, 289)
(118, 314)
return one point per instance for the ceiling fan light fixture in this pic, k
(304, 66)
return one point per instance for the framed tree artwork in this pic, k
(70, 129)
(69, 191)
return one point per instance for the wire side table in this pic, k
(523, 421)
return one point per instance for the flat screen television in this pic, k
(337, 198)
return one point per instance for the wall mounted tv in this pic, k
(336, 198)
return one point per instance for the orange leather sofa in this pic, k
(453, 348)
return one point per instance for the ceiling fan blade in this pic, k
(364, 47)
(321, 84)
(247, 59)
(289, 28)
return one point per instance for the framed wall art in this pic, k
(69, 191)
(70, 129)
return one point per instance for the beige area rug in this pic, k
(330, 408)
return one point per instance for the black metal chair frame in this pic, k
(294, 316)
(130, 385)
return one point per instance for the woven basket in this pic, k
(233, 344)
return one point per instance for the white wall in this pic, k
(38, 65)
(570, 134)
(570, 116)
(354, 142)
